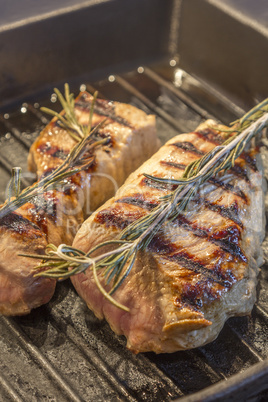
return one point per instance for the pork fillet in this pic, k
(20, 291)
(131, 136)
(199, 269)
(55, 216)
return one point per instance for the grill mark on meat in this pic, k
(227, 239)
(211, 280)
(71, 183)
(43, 208)
(230, 212)
(208, 134)
(193, 294)
(188, 262)
(188, 146)
(229, 187)
(213, 180)
(251, 161)
(189, 298)
(179, 166)
(47, 172)
(110, 140)
(146, 181)
(102, 107)
(237, 170)
(139, 201)
(240, 172)
(169, 251)
(53, 151)
(117, 218)
(18, 224)
(46, 203)
(209, 285)
(231, 248)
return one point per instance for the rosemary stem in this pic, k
(118, 262)
(106, 294)
(166, 211)
(251, 130)
(109, 253)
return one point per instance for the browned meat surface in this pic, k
(57, 213)
(19, 290)
(28, 230)
(55, 216)
(131, 137)
(198, 270)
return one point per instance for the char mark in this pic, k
(70, 184)
(17, 223)
(193, 295)
(240, 172)
(117, 217)
(227, 239)
(103, 108)
(213, 180)
(188, 146)
(228, 187)
(230, 212)
(229, 247)
(237, 170)
(188, 262)
(210, 280)
(43, 208)
(209, 135)
(139, 201)
(158, 185)
(251, 161)
(46, 204)
(169, 251)
(47, 172)
(53, 151)
(175, 165)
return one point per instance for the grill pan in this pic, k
(61, 352)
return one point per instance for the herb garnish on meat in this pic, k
(64, 261)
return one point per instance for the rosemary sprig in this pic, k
(116, 264)
(80, 158)
(67, 118)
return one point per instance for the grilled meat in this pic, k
(131, 139)
(54, 216)
(19, 290)
(199, 269)
(28, 230)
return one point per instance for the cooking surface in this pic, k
(61, 351)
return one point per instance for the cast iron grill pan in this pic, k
(61, 352)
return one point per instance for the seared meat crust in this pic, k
(19, 290)
(131, 136)
(199, 269)
(54, 216)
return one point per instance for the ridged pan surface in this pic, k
(61, 352)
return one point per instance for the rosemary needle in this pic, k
(80, 157)
(118, 262)
(67, 118)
